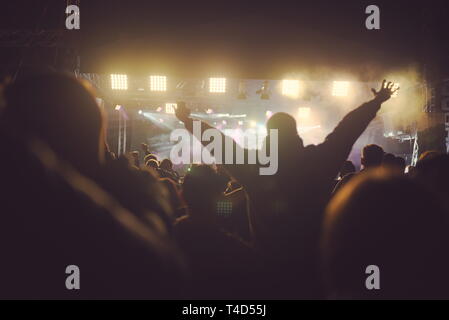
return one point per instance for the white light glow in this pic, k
(290, 88)
(340, 88)
(158, 83)
(217, 85)
(119, 82)
(303, 113)
(170, 108)
(395, 86)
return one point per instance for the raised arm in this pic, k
(339, 143)
(240, 172)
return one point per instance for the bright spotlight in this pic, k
(170, 108)
(290, 88)
(268, 114)
(209, 111)
(252, 124)
(217, 85)
(395, 86)
(119, 82)
(303, 113)
(158, 83)
(240, 123)
(340, 88)
(118, 107)
(140, 111)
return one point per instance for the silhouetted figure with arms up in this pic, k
(286, 208)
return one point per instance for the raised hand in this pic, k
(385, 92)
(182, 112)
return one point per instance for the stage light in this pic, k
(170, 108)
(158, 83)
(224, 122)
(252, 124)
(240, 123)
(290, 88)
(268, 114)
(159, 109)
(217, 85)
(395, 86)
(303, 113)
(119, 82)
(118, 107)
(340, 88)
(209, 111)
(140, 111)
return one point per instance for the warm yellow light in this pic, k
(158, 83)
(170, 108)
(217, 85)
(340, 88)
(303, 113)
(119, 81)
(395, 86)
(290, 88)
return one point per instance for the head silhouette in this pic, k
(166, 164)
(201, 188)
(346, 168)
(372, 156)
(384, 219)
(285, 125)
(60, 110)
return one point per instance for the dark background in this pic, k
(247, 39)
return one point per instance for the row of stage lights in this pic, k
(290, 88)
(159, 83)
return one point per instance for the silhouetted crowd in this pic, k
(137, 229)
